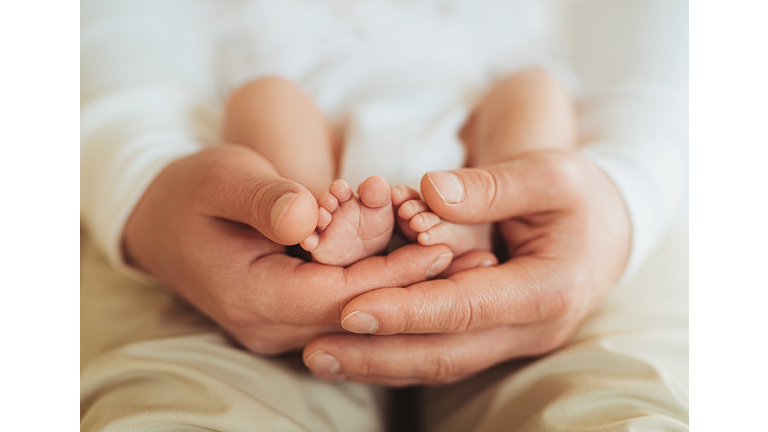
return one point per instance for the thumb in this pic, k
(240, 185)
(531, 183)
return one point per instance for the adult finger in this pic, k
(472, 259)
(312, 293)
(278, 338)
(426, 359)
(238, 184)
(524, 290)
(531, 183)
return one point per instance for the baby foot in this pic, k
(401, 195)
(424, 226)
(349, 228)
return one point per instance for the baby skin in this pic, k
(526, 112)
(279, 121)
(418, 223)
(351, 228)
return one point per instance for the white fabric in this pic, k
(400, 76)
(148, 362)
(632, 59)
(148, 98)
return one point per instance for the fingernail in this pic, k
(280, 207)
(360, 322)
(324, 362)
(485, 263)
(440, 264)
(448, 185)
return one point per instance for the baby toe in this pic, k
(438, 234)
(375, 192)
(324, 218)
(405, 229)
(424, 221)
(411, 208)
(310, 243)
(402, 194)
(341, 190)
(328, 202)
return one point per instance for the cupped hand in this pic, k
(567, 232)
(209, 227)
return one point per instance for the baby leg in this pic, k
(527, 111)
(278, 120)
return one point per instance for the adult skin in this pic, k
(209, 227)
(568, 235)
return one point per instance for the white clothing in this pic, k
(152, 87)
(154, 76)
(150, 363)
(400, 76)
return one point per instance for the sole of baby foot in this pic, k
(352, 228)
(430, 230)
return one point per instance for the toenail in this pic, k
(323, 362)
(440, 264)
(397, 192)
(448, 185)
(360, 322)
(280, 207)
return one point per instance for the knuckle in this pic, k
(444, 368)
(256, 197)
(489, 185)
(367, 368)
(559, 303)
(463, 313)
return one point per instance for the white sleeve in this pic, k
(631, 57)
(147, 85)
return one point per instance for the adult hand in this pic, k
(568, 235)
(207, 227)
